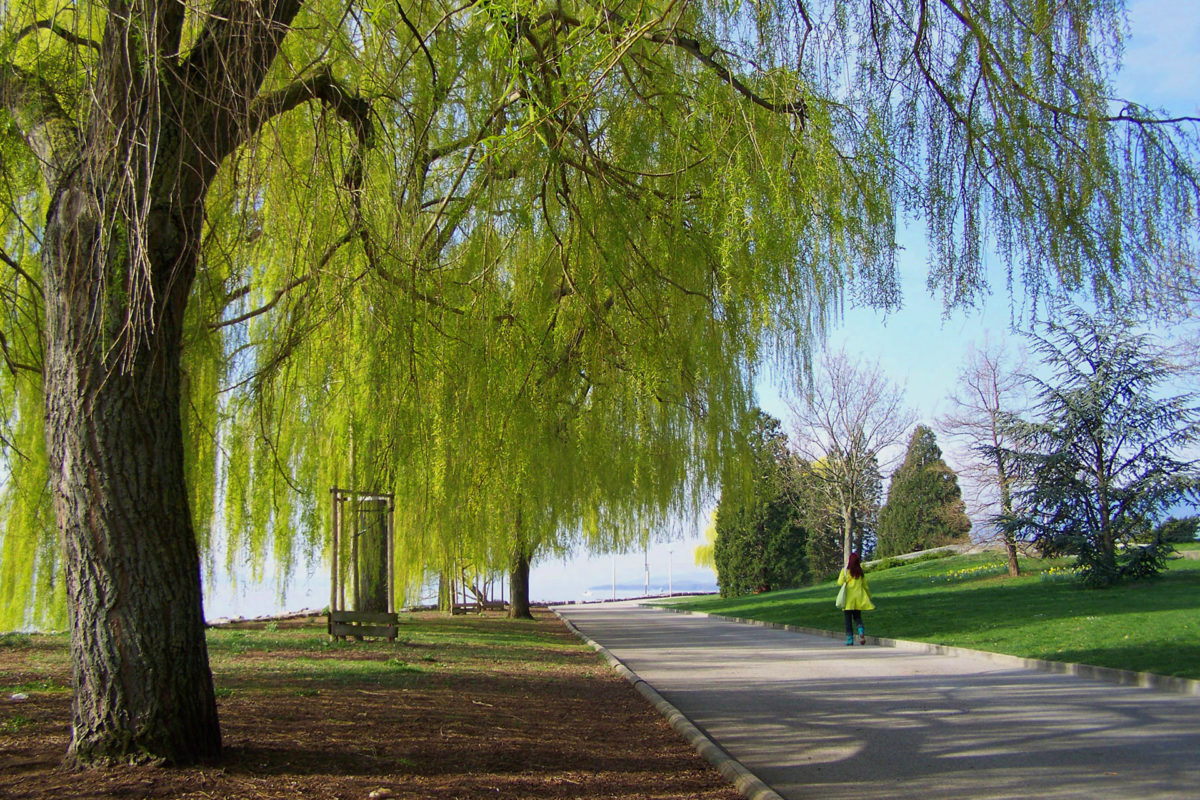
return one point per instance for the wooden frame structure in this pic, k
(355, 622)
(468, 594)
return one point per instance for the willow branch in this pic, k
(16, 267)
(59, 31)
(420, 40)
(41, 120)
(808, 29)
(356, 111)
(985, 43)
(229, 61)
(321, 86)
(12, 364)
(692, 46)
(279, 294)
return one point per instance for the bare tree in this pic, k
(988, 387)
(844, 422)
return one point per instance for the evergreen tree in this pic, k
(924, 507)
(1178, 530)
(760, 544)
(823, 549)
(1100, 458)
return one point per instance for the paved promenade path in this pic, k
(815, 719)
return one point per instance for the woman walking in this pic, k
(854, 597)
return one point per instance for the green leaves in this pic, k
(760, 542)
(578, 232)
(1101, 461)
(924, 508)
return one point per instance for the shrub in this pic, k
(1178, 530)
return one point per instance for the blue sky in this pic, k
(917, 346)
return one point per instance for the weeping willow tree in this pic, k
(517, 261)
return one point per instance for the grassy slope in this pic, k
(1151, 626)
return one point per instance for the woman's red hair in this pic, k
(854, 566)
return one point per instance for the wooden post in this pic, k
(341, 539)
(391, 556)
(356, 622)
(354, 559)
(333, 554)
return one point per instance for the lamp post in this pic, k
(670, 576)
(646, 562)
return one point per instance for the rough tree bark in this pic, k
(127, 191)
(143, 688)
(518, 584)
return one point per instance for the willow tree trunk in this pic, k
(128, 178)
(518, 584)
(117, 283)
(445, 592)
(123, 239)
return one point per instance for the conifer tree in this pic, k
(760, 544)
(1104, 451)
(924, 507)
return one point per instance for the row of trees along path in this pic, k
(1083, 456)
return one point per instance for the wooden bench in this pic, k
(363, 623)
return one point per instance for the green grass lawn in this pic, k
(1147, 626)
(297, 656)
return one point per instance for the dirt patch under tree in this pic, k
(464, 707)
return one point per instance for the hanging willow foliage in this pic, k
(520, 262)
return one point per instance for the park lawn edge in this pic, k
(1150, 626)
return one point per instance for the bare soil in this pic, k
(464, 707)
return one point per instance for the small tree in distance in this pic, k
(851, 414)
(823, 520)
(760, 543)
(924, 507)
(1178, 530)
(1098, 462)
(987, 389)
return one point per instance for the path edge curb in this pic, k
(1120, 677)
(745, 781)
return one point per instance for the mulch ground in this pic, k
(560, 726)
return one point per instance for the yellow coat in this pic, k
(858, 595)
